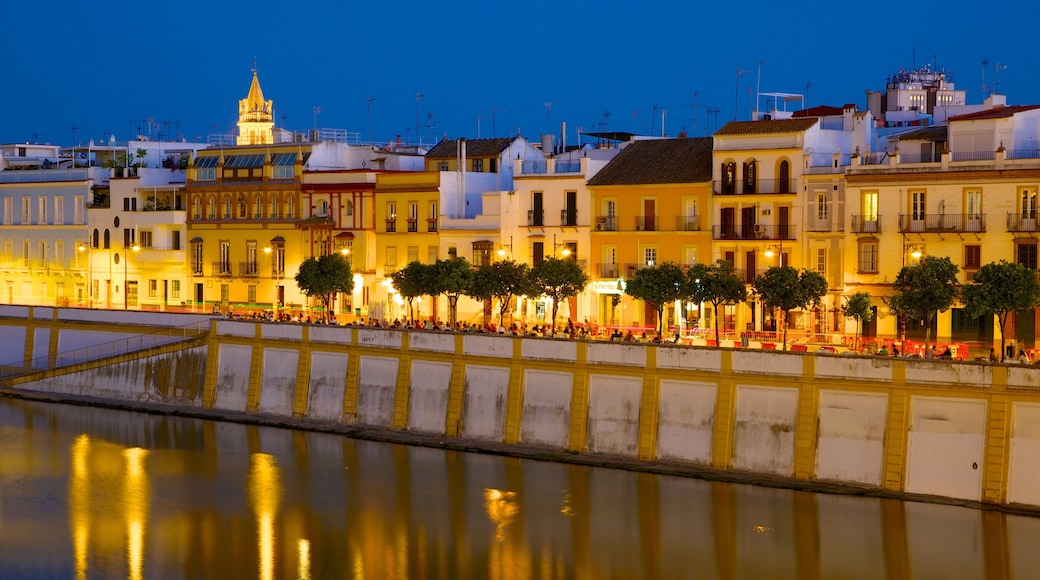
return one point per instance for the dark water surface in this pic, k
(98, 493)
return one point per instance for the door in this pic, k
(917, 207)
(649, 215)
(784, 227)
(536, 209)
(747, 223)
(570, 212)
(165, 292)
(728, 223)
(200, 296)
(751, 264)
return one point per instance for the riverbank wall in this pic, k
(963, 431)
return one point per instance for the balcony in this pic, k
(866, 224)
(391, 225)
(753, 232)
(942, 222)
(1022, 222)
(688, 223)
(607, 270)
(413, 225)
(828, 223)
(431, 225)
(646, 223)
(222, 268)
(606, 223)
(535, 218)
(569, 217)
(248, 270)
(761, 186)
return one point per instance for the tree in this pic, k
(501, 281)
(858, 306)
(559, 280)
(452, 278)
(717, 284)
(657, 286)
(999, 289)
(785, 288)
(323, 277)
(924, 290)
(411, 282)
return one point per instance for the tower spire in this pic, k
(255, 116)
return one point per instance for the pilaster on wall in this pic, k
(256, 371)
(303, 375)
(350, 393)
(579, 401)
(404, 384)
(648, 407)
(806, 427)
(515, 394)
(725, 407)
(209, 386)
(456, 388)
(896, 435)
(995, 478)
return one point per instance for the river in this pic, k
(89, 492)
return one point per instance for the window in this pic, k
(227, 208)
(212, 213)
(821, 207)
(224, 293)
(77, 211)
(750, 176)
(206, 174)
(196, 209)
(258, 209)
(821, 261)
(175, 289)
(442, 166)
(868, 256)
(649, 256)
(153, 288)
(917, 205)
(537, 253)
(251, 293)
(413, 254)
(146, 238)
(224, 266)
(272, 213)
(432, 255)
(277, 259)
(783, 182)
(453, 252)
(25, 211)
(8, 205)
(322, 209)
(482, 253)
(391, 217)
(1028, 203)
(241, 207)
(413, 217)
(431, 219)
(283, 172)
(196, 258)
(349, 209)
(59, 211)
(729, 177)
(108, 239)
(41, 217)
(478, 165)
(251, 265)
(391, 260)
(290, 208)
(972, 256)
(1026, 254)
(59, 250)
(973, 204)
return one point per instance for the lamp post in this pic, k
(90, 285)
(502, 251)
(126, 278)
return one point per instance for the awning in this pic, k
(278, 240)
(345, 236)
(196, 240)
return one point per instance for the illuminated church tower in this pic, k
(255, 117)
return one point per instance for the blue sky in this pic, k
(604, 64)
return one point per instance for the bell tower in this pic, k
(255, 117)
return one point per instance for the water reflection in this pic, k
(148, 496)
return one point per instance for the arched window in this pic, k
(196, 209)
(94, 240)
(258, 210)
(107, 239)
(272, 212)
(783, 180)
(750, 177)
(729, 177)
(212, 213)
(227, 207)
(349, 208)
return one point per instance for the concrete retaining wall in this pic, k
(957, 430)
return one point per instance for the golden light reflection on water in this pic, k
(136, 497)
(303, 567)
(501, 507)
(79, 504)
(265, 495)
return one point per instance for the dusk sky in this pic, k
(602, 65)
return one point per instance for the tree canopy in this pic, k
(1000, 288)
(785, 288)
(717, 284)
(502, 281)
(559, 280)
(658, 285)
(323, 277)
(411, 282)
(924, 290)
(858, 306)
(452, 278)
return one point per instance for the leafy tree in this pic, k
(658, 285)
(858, 306)
(999, 289)
(451, 278)
(717, 284)
(325, 276)
(924, 290)
(785, 288)
(559, 280)
(501, 281)
(412, 281)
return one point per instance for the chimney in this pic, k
(682, 135)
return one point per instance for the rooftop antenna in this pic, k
(996, 76)
(368, 107)
(494, 130)
(985, 87)
(653, 117)
(418, 98)
(808, 85)
(714, 111)
(479, 117)
(317, 111)
(548, 116)
(736, 93)
(758, 84)
(635, 127)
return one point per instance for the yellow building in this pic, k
(649, 207)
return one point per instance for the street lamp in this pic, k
(502, 251)
(566, 249)
(126, 279)
(90, 285)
